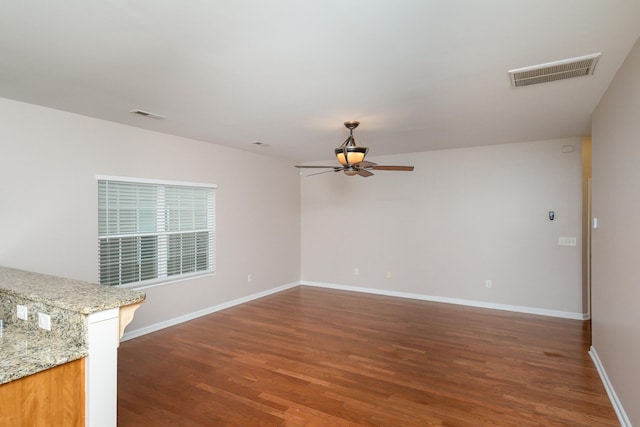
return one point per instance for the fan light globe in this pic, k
(350, 155)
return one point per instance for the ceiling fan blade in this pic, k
(365, 164)
(320, 173)
(393, 168)
(322, 167)
(365, 173)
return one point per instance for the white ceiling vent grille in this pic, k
(552, 71)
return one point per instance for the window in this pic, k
(150, 231)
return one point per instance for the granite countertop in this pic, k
(26, 349)
(75, 295)
(27, 352)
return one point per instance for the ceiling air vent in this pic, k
(147, 114)
(552, 71)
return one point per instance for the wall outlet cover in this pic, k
(21, 312)
(44, 321)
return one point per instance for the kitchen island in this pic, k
(62, 321)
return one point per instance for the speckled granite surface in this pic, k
(25, 353)
(67, 325)
(74, 295)
(26, 349)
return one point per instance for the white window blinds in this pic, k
(151, 230)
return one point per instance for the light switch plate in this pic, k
(567, 241)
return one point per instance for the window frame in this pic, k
(161, 218)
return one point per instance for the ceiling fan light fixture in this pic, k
(351, 158)
(351, 155)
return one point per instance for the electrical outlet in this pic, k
(356, 271)
(488, 284)
(44, 321)
(21, 312)
(389, 275)
(249, 278)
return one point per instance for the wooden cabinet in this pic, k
(54, 397)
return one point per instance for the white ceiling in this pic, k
(418, 74)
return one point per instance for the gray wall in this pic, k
(462, 217)
(48, 208)
(616, 243)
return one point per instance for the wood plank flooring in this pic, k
(318, 357)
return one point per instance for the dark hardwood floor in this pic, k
(319, 357)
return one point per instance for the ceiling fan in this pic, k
(351, 158)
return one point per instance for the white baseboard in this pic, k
(190, 316)
(613, 397)
(180, 319)
(472, 303)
